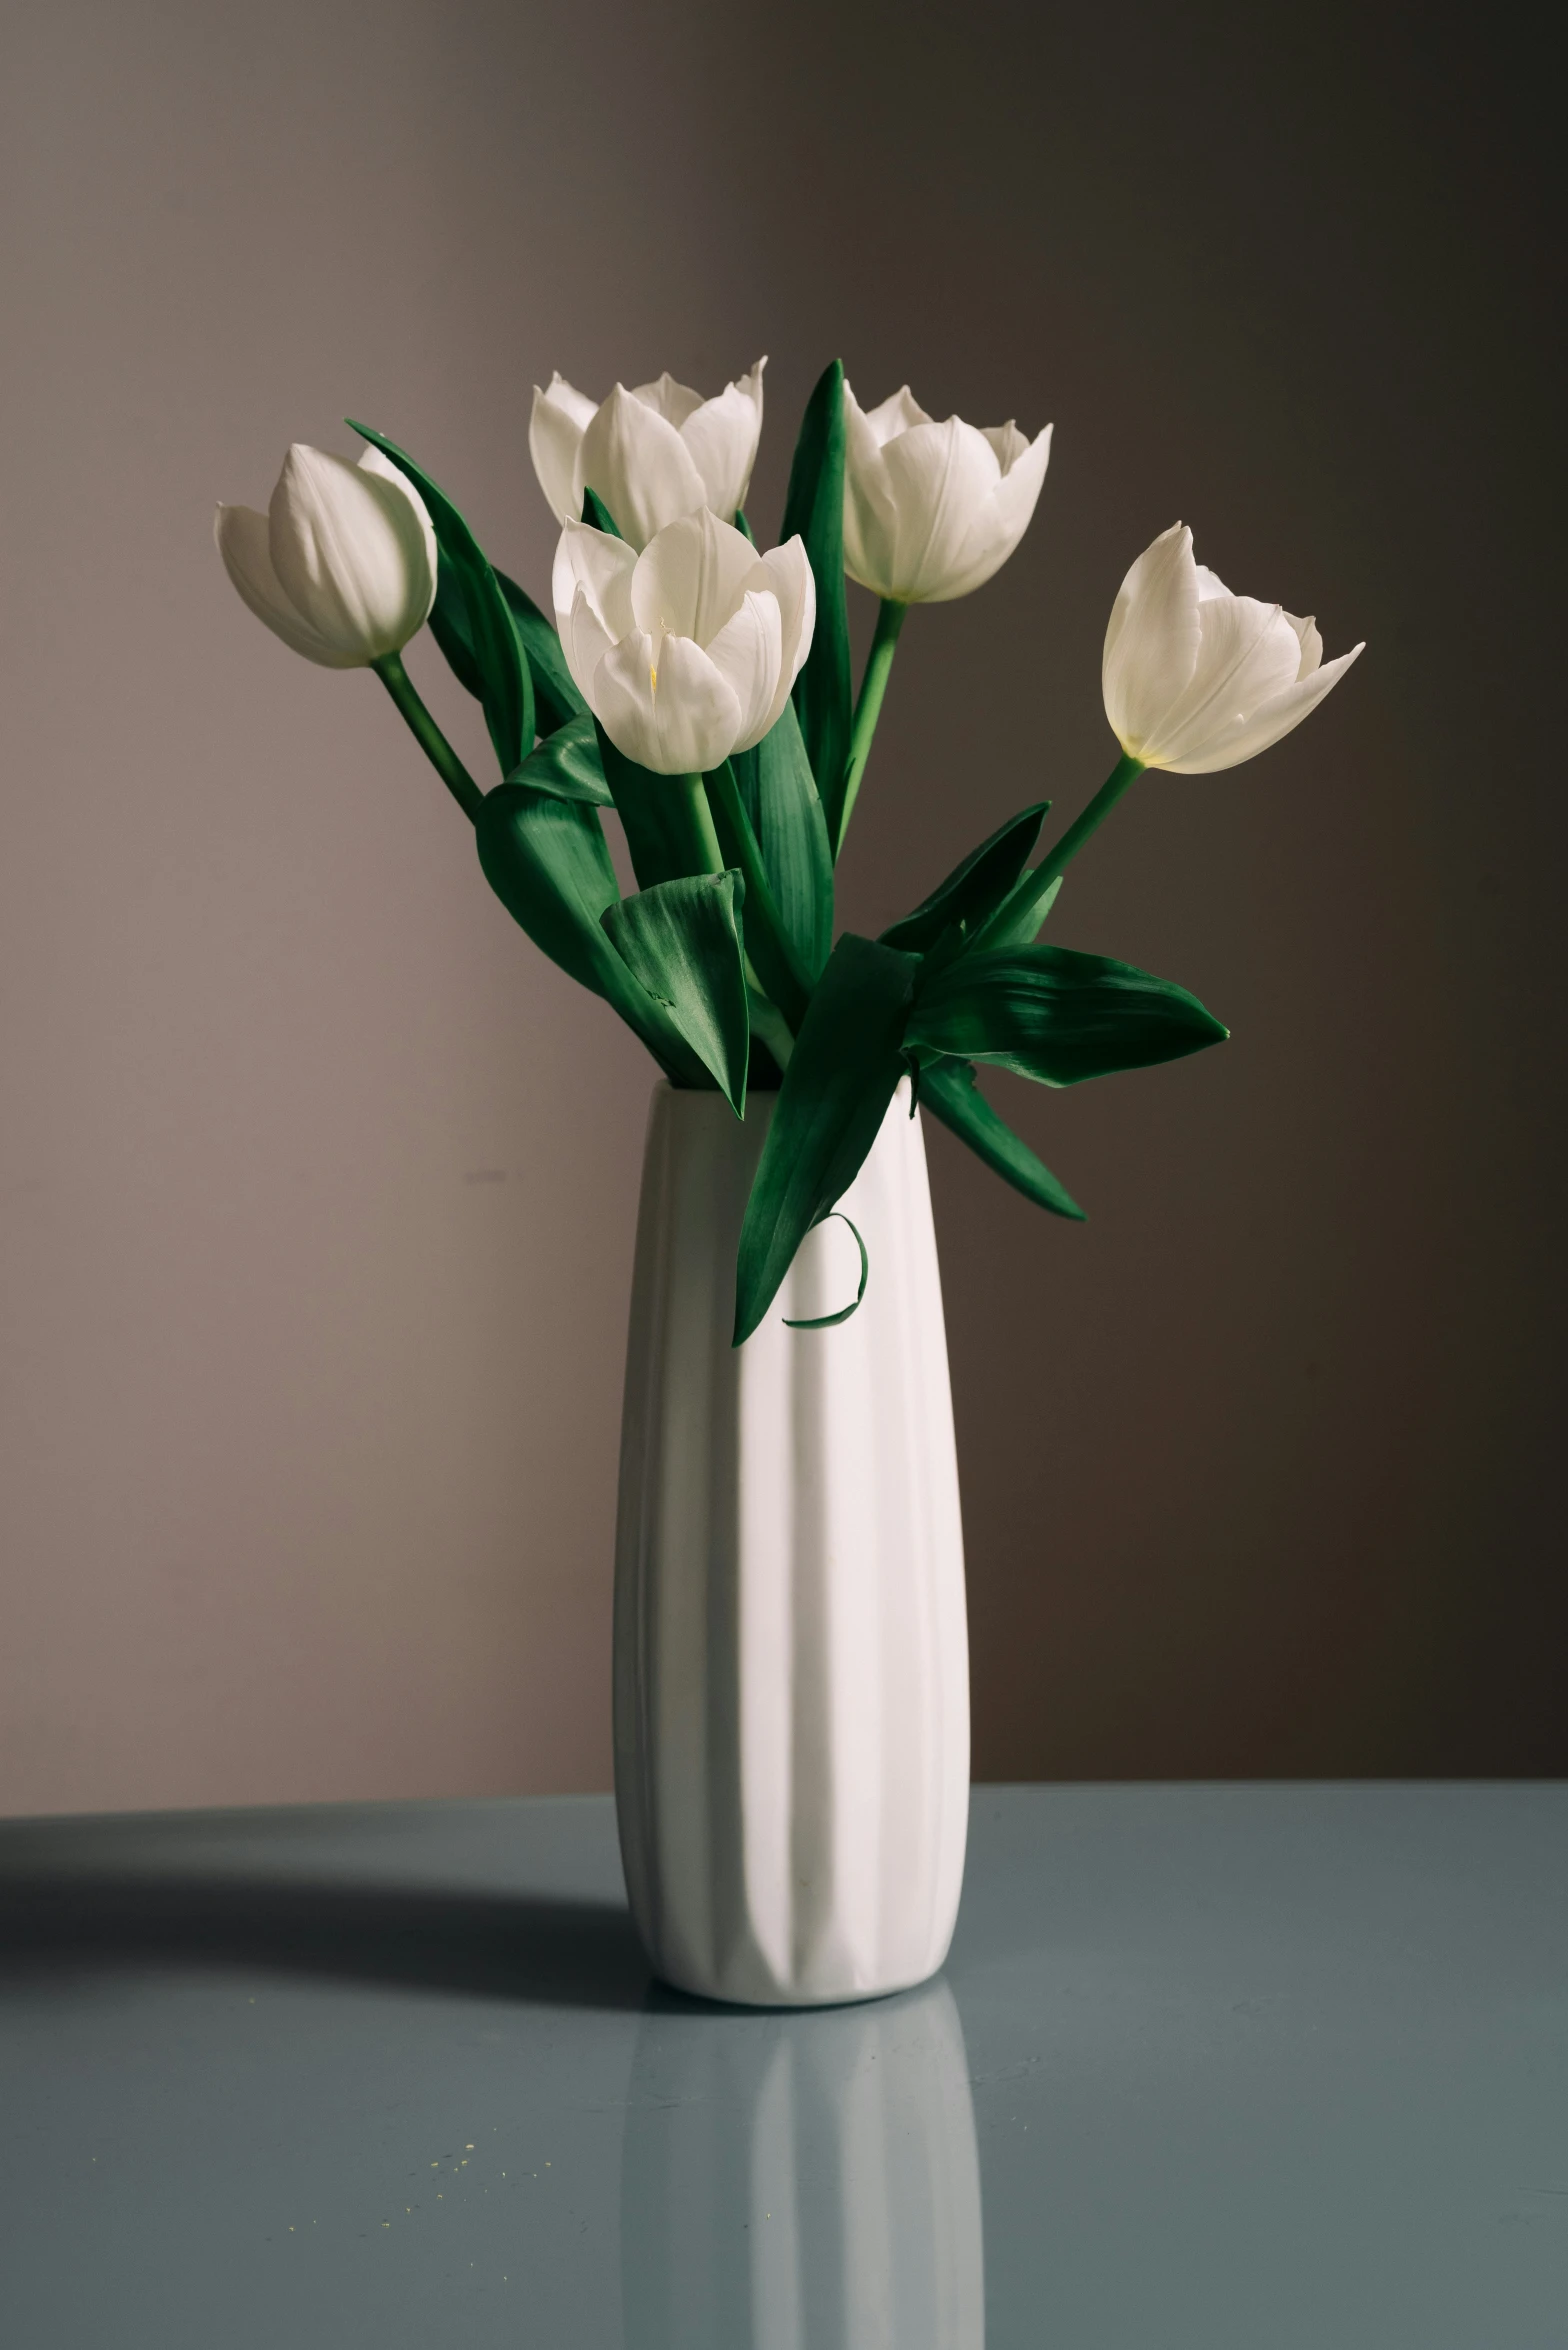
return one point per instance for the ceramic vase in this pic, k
(791, 1663)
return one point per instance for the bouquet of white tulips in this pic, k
(702, 690)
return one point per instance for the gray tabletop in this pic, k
(1219, 2066)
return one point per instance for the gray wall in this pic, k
(318, 1183)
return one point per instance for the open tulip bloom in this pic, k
(1195, 678)
(688, 651)
(699, 691)
(652, 455)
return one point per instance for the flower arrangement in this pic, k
(702, 690)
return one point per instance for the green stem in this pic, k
(879, 663)
(668, 823)
(766, 936)
(429, 737)
(1058, 859)
(1021, 912)
(694, 823)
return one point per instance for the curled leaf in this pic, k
(832, 1321)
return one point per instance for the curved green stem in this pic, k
(1021, 912)
(879, 663)
(1058, 859)
(429, 737)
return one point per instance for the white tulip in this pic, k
(1195, 678)
(342, 566)
(687, 651)
(652, 454)
(932, 510)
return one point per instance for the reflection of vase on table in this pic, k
(802, 2182)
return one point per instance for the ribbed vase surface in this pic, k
(791, 1665)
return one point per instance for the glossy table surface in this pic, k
(1242, 2068)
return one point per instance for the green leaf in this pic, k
(597, 514)
(948, 1090)
(1020, 918)
(842, 1074)
(547, 862)
(506, 685)
(974, 889)
(1058, 1016)
(778, 967)
(780, 797)
(566, 764)
(555, 689)
(832, 1321)
(815, 508)
(681, 941)
(449, 625)
(556, 696)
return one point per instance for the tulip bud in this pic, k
(342, 566)
(687, 651)
(1196, 679)
(932, 510)
(652, 454)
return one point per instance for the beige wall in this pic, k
(317, 1183)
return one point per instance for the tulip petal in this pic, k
(722, 435)
(571, 401)
(665, 705)
(603, 564)
(241, 535)
(584, 641)
(943, 478)
(555, 430)
(591, 583)
(691, 577)
(353, 552)
(401, 500)
(371, 460)
(1011, 510)
(787, 572)
(748, 651)
(870, 517)
(1249, 653)
(640, 467)
(1008, 442)
(673, 401)
(1267, 723)
(1311, 643)
(1152, 639)
(900, 413)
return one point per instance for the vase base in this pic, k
(854, 1995)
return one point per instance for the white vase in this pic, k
(791, 1659)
